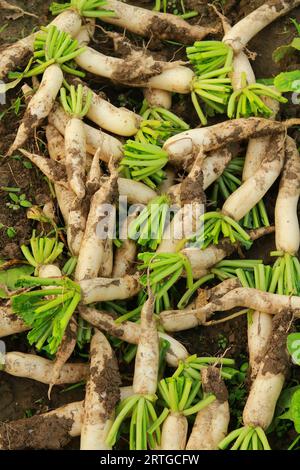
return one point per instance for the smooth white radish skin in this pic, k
(152, 23)
(125, 255)
(130, 332)
(119, 121)
(202, 260)
(287, 233)
(39, 106)
(102, 289)
(266, 388)
(102, 395)
(135, 191)
(33, 433)
(75, 156)
(240, 34)
(241, 201)
(95, 138)
(137, 71)
(241, 65)
(10, 323)
(69, 21)
(211, 423)
(259, 330)
(93, 245)
(258, 148)
(56, 149)
(147, 355)
(158, 98)
(184, 147)
(49, 270)
(174, 432)
(40, 369)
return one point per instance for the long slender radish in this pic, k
(102, 395)
(183, 147)
(102, 289)
(40, 369)
(75, 139)
(151, 23)
(130, 332)
(241, 201)
(258, 331)
(125, 255)
(240, 34)
(69, 22)
(95, 138)
(98, 229)
(287, 232)
(211, 423)
(40, 105)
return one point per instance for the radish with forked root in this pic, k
(265, 390)
(102, 395)
(75, 145)
(54, 49)
(40, 369)
(211, 423)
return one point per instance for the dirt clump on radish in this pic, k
(213, 383)
(107, 380)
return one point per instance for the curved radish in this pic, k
(102, 289)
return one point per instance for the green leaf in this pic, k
(296, 24)
(293, 345)
(14, 197)
(11, 232)
(296, 44)
(25, 203)
(295, 410)
(282, 52)
(288, 81)
(10, 277)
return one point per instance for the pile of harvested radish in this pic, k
(149, 269)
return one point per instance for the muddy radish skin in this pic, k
(211, 423)
(40, 369)
(102, 395)
(184, 147)
(75, 151)
(101, 289)
(266, 388)
(125, 255)
(10, 324)
(151, 23)
(287, 234)
(258, 330)
(69, 21)
(130, 332)
(39, 106)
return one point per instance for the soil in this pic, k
(22, 398)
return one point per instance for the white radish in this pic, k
(152, 23)
(102, 289)
(267, 386)
(40, 369)
(241, 201)
(69, 21)
(75, 149)
(125, 255)
(174, 432)
(240, 34)
(95, 138)
(102, 395)
(135, 191)
(10, 324)
(39, 106)
(130, 332)
(158, 98)
(211, 423)
(259, 330)
(287, 234)
(182, 148)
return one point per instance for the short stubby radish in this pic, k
(77, 107)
